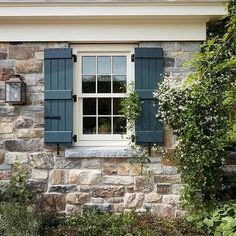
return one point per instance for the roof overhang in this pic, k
(47, 16)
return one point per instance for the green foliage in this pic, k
(95, 223)
(17, 213)
(131, 106)
(220, 222)
(17, 219)
(18, 190)
(198, 112)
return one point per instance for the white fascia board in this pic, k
(96, 32)
(112, 11)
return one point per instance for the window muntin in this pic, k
(103, 86)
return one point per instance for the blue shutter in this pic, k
(148, 72)
(58, 111)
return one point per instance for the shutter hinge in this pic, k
(74, 57)
(75, 138)
(132, 57)
(74, 98)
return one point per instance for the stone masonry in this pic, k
(110, 184)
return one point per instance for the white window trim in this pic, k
(98, 49)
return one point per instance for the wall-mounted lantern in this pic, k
(15, 90)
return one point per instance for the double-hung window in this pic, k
(101, 78)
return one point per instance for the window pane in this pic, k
(89, 84)
(104, 84)
(88, 65)
(116, 106)
(89, 125)
(104, 106)
(89, 106)
(104, 65)
(119, 83)
(119, 65)
(104, 125)
(119, 125)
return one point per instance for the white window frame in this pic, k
(98, 50)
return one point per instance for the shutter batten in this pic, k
(148, 73)
(58, 66)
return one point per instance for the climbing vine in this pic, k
(197, 111)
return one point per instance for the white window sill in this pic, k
(102, 152)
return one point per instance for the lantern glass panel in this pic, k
(13, 92)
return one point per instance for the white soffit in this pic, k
(107, 21)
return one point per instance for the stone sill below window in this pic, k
(102, 152)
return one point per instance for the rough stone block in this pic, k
(135, 169)
(57, 177)
(3, 55)
(153, 197)
(165, 210)
(23, 122)
(30, 133)
(73, 209)
(124, 168)
(6, 128)
(30, 145)
(84, 176)
(42, 160)
(152, 169)
(109, 168)
(20, 157)
(170, 199)
(97, 200)
(118, 180)
(39, 174)
(63, 188)
(99, 207)
(5, 175)
(133, 200)
(62, 163)
(169, 62)
(38, 186)
(190, 46)
(2, 157)
(143, 184)
(108, 191)
(119, 208)
(21, 52)
(53, 202)
(29, 67)
(163, 188)
(167, 179)
(169, 170)
(115, 200)
(6, 73)
(93, 163)
(176, 188)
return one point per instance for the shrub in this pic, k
(197, 111)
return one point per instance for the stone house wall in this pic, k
(112, 184)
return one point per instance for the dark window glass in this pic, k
(89, 125)
(104, 84)
(104, 106)
(119, 125)
(116, 106)
(88, 84)
(104, 125)
(119, 83)
(89, 106)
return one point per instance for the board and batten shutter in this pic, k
(148, 73)
(58, 109)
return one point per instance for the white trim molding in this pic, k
(107, 21)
